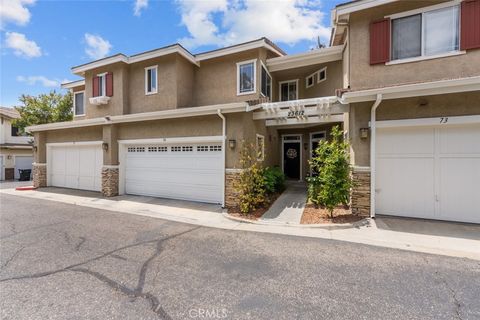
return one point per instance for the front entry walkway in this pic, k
(288, 208)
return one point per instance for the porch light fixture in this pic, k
(364, 133)
(232, 143)
(35, 148)
(105, 146)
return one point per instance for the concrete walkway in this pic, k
(457, 240)
(288, 208)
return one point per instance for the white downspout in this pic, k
(373, 139)
(224, 149)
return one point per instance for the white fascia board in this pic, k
(235, 49)
(438, 121)
(305, 120)
(359, 5)
(73, 84)
(415, 90)
(145, 116)
(99, 63)
(305, 59)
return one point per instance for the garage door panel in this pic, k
(405, 187)
(398, 141)
(460, 189)
(460, 140)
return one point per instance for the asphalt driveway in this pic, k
(62, 261)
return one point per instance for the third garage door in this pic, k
(429, 172)
(178, 171)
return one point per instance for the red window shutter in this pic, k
(95, 83)
(109, 84)
(470, 24)
(380, 41)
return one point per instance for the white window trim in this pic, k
(313, 80)
(280, 89)
(318, 74)
(271, 80)
(75, 103)
(262, 155)
(239, 64)
(104, 83)
(422, 11)
(155, 67)
(312, 140)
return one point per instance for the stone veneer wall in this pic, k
(39, 175)
(360, 197)
(231, 195)
(110, 181)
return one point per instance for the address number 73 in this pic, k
(443, 119)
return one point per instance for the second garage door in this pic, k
(177, 171)
(429, 172)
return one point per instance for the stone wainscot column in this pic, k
(360, 196)
(110, 181)
(39, 175)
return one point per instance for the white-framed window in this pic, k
(79, 103)
(310, 80)
(322, 75)
(102, 84)
(260, 144)
(425, 32)
(246, 77)
(151, 80)
(266, 84)
(288, 90)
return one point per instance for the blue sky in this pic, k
(41, 40)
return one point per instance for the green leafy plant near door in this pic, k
(331, 185)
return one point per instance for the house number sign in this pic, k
(444, 120)
(296, 113)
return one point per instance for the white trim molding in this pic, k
(280, 89)
(241, 63)
(437, 121)
(198, 139)
(318, 74)
(155, 67)
(73, 84)
(260, 43)
(75, 103)
(309, 58)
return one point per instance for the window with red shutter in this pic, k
(109, 84)
(95, 86)
(470, 24)
(380, 41)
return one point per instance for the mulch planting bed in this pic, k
(312, 215)
(255, 215)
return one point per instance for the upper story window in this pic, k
(79, 103)
(103, 85)
(266, 88)
(310, 80)
(151, 80)
(288, 90)
(15, 132)
(246, 75)
(322, 75)
(426, 33)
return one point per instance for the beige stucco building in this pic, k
(169, 123)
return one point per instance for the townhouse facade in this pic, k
(402, 79)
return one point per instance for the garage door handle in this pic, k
(436, 198)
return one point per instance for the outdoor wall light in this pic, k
(232, 143)
(364, 133)
(105, 146)
(35, 148)
(9, 157)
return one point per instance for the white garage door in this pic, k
(76, 167)
(22, 162)
(177, 171)
(429, 172)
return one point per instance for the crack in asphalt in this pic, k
(82, 240)
(12, 257)
(31, 229)
(137, 292)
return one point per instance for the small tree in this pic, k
(331, 162)
(44, 108)
(251, 183)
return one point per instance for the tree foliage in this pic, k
(331, 186)
(44, 108)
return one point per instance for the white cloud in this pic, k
(225, 22)
(21, 45)
(15, 11)
(138, 6)
(44, 81)
(97, 47)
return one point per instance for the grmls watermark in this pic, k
(211, 313)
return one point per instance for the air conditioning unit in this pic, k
(99, 100)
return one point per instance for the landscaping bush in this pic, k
(251, 182)
(331, 186)
(274, 179)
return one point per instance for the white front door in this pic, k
(187, 171)
(22, 163)
(75, 166)
(429, 172)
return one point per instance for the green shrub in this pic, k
(274, 179)
(331, 186)
(251, 182)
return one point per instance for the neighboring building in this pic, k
(15, 150)
(401, 78)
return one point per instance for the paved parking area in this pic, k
(62, 261)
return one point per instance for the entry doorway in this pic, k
(292, 156)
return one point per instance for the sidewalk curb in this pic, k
(327, 226)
